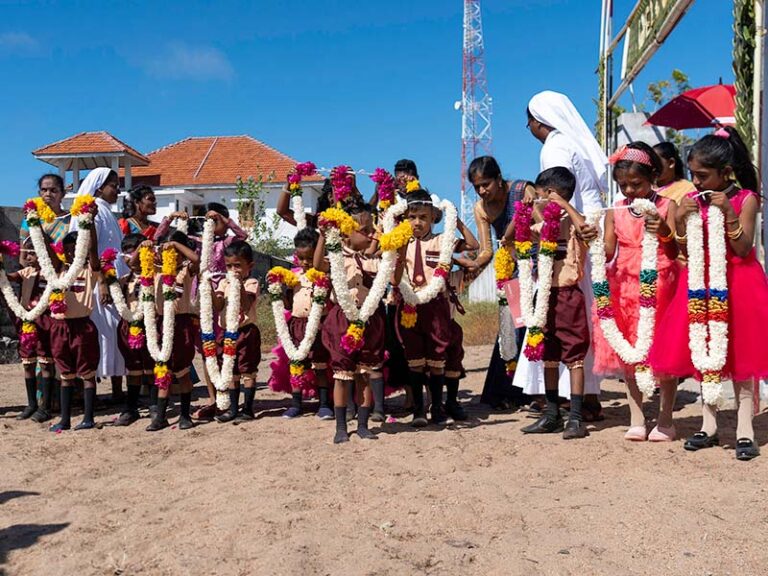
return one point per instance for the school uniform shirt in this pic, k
(184, 303)
(360, 270)
(570, 257)
(302, 298)
(247, 315)
(422, 257)
(81, 296)
(33, 285)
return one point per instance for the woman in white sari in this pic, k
(104, 185)
(568, 142)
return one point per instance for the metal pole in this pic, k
(761, 17)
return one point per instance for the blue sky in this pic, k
(333, 81)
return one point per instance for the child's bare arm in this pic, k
(319, 262)
(93, 251)
(189, 254)
(468, 242)
(397, 276)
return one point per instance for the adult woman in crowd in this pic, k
(51, 190)
(138, 206)
(493, 213)
(568, 142)
(671, 183)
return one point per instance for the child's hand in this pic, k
(169, 246)
(147, 244)
(214, 216)
(556, 198)
(720, 199)
(652, 222)
(529, 196)
(104, 296)
(587, 233)
(687, 206)
(181, 215)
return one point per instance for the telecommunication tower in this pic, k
(475, 105)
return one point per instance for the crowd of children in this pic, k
(393, 296)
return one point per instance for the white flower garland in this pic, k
(116, 292)
(629, 354)
(160, 351)
(15, 305)
(297, 205)
(381, 280)
(300, 353)
(437, 283)
(81, 253)
(708, 341)
(221, 376)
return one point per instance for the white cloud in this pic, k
(182, 61)
(18, 42)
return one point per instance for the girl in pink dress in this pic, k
(722, 171)
(635, 170)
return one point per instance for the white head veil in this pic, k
(558, 112)
(93, 181)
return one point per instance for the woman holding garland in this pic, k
(671, 182)
(138, 206)
(723, 174)
(51, 190)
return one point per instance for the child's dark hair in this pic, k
(135, 195)
(718, 151)
(130, 242)
(218, 208)
(306, 238)
(559, 178)
(419, 197)
(355, 208)
(484, 166)
(182, 239)
(325, 200)
(651, 172)
(70, 238)
(55, 177)
(668, 151)
(407, 166)
(240, 249)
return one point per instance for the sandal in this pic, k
(701, 440)
(206, 412)
(746, 449)
(662, 434)
(636, 434)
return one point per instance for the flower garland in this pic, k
(636, 354)
(436, 285)
(334, 223)
(535, 318)
(28, 334)
(277, 278)
(386, 188)
(412, 185)
(160, 351)
(221, 376)
(136, 339)
(504, 267)
(301, 170)
(342, 180)
(708, 305)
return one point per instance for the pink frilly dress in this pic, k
(623, 276)
(747, 317)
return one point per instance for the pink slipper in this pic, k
(636, 434)
(662, 434)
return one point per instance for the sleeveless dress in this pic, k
(747, 317)
(624, 280)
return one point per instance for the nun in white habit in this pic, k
(104, 185)
(568, 142)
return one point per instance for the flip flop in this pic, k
(636, 434)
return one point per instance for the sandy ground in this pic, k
(277, 497)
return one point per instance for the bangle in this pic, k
(668, 237)
(736, 233)
(734, 221)
(681, 239)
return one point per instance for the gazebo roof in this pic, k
(90, 149)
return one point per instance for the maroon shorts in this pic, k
(454, 354)
(318, 354)
(248, 350)
(184, 335)
(566, 335)
(428, 341)
(75, 347)
(137, 361)
(41, 352)
(371, 356)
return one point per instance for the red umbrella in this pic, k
(698, 108)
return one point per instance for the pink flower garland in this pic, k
(341, 180)
(386, 188)
(302, 170)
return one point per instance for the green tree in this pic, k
(744, 32)
(661, 92)
(251, 194)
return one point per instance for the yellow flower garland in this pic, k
(81, 205)
(504, 265)
(343, 221)
(398, 238)
(412, 186)
(147, 260)
(44, 211)
(284, 275)
(170, 259)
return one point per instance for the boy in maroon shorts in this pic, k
(239, 259)
(183, 350)
(425, 344)
(138, 363)
(74, 338)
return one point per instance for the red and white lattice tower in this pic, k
(475, 105)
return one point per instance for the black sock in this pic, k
(576, 402)
(340, 412)
(186, 402)
(351, 405)
(250, 394)
(47, 393)
(363, 413)
(296, 399)
(31, 385)
(162, 407)
(417, 387)
(451, 391)
(553, 403)
(153, 394)
(323, 392)
(234, 399)
(132, 398)
(89, 397)
(436, 390)
(66, 404)
(377, 384)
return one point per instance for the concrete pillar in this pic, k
(75, 175)
(116, 164)
(128, 178)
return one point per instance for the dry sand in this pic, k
(277, 497)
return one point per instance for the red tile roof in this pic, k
(89, 143)
(213, 160)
